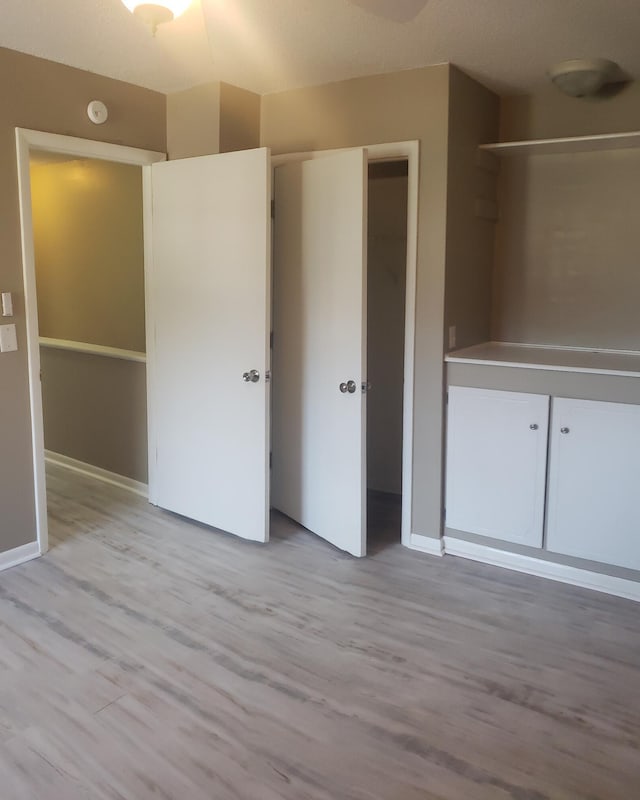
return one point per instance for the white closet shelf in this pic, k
(559, 359)
(572, 144)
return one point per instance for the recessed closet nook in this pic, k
(543, 422)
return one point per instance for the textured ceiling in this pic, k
(269, 45)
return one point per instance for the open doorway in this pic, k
(89, 262)
(41, 148)
(386, 311)
(320, 475)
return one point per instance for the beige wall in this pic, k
(567, 250)
(193, 121)
(41, 95)
(386, 287)
(387, 108)
(95, 410)
(548, 113)
(212, 118)
(239, 119)
(567, 239)
(473, 119)
(89, 252)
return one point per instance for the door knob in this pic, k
(253, 376)
(348, 386)
(533, 427)
(564, 430)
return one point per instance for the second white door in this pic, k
(319, 356)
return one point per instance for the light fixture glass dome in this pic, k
(583, 77)
(155, 14)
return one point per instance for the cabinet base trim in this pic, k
(425, 544)
(19, 555)
(609, 584)
(98, 473)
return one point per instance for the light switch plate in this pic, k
(7, 304)
(452, 337)
(8, 340)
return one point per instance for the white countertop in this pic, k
(524, 356)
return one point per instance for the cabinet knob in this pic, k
(534, 427)
(564, 430)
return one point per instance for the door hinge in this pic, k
(271, 340)
(273, 209)
(270, 460)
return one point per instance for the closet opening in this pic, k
(388, 183)
(344, 264)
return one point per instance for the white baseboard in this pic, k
(19, 555)
(609, 584)
(97, 472)
(425, 544)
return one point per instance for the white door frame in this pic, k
(410, 152)
(26, 141)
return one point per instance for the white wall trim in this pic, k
(87, 148)
(609, 584)
(11, 558)
(93, 349)
(91, 471)
(27, 140)
(150, 330)
(397, 151)
(426, 544)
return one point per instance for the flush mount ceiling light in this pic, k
(155, 14)
(583, 77)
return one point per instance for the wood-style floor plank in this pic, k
(148, 657)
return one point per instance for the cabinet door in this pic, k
(496, 463)
(594, 474)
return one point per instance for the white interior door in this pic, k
(496, 463)
(209, 293)
(319, 435)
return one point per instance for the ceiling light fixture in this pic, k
(583, 77)
(155, 14)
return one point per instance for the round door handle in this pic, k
(343, 388)
(253, 376)
(348, 386)
(565, 430)
(534, 427)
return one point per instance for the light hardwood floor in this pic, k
(146, 657)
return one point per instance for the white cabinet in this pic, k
(496, 463)
(594, 481)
